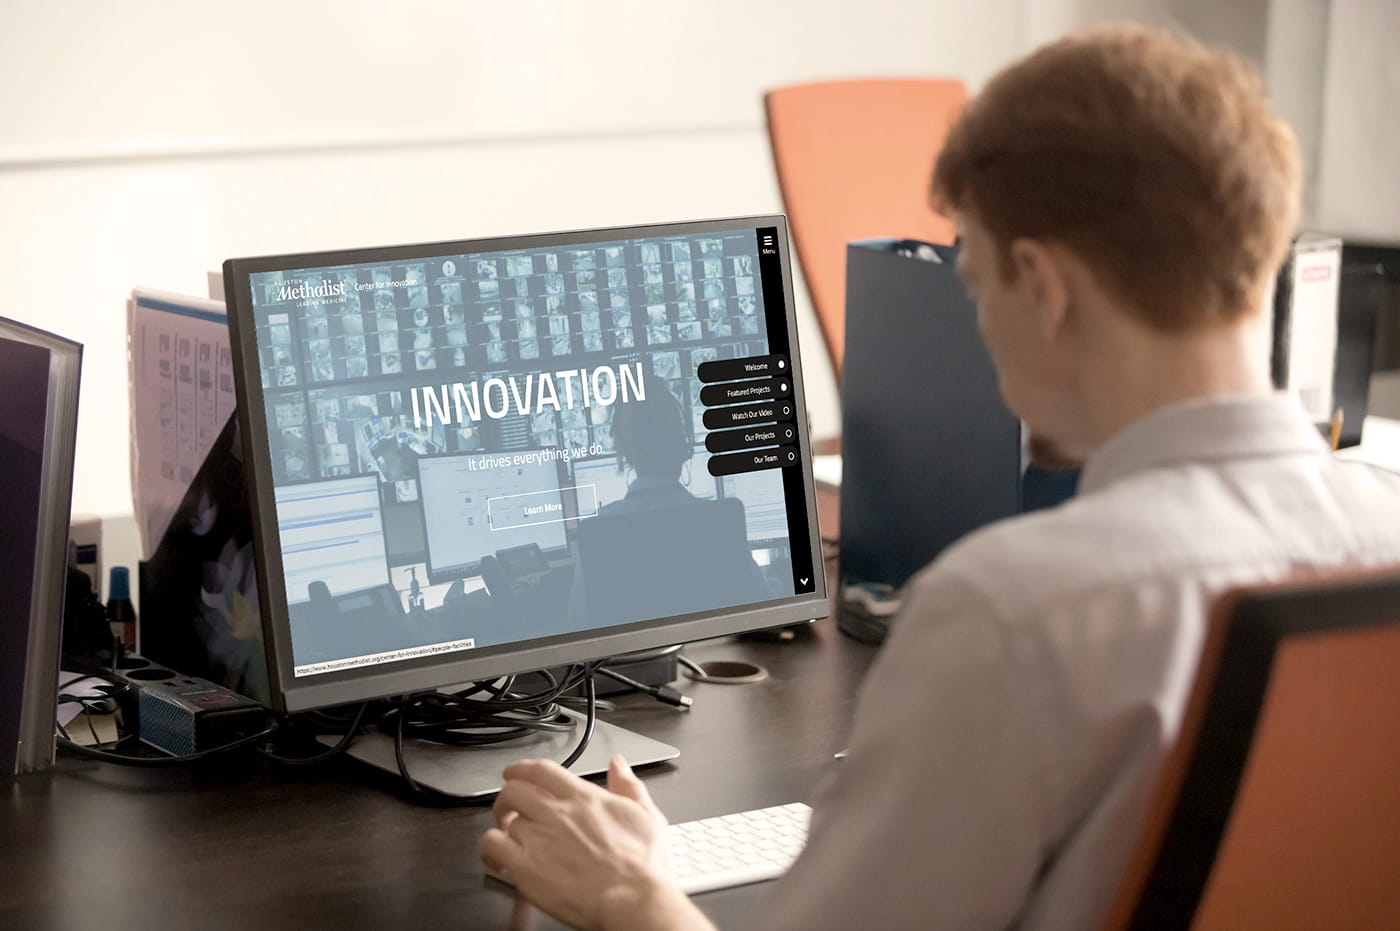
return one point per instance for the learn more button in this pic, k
(540, 507)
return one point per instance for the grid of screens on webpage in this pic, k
(486, 448)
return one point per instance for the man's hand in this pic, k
(593, 858)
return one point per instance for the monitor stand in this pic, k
(475, 772)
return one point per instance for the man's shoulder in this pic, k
(1006, 569)
(1175, 522)
(1029, 549)
(1368, 475)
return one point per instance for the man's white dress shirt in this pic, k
(1009, 733)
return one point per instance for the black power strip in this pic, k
(181, 714)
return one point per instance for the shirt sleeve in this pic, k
(936, 818)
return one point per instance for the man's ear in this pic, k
(1042, 274)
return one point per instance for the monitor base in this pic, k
(475, 772)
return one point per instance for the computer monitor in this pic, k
(427, 429)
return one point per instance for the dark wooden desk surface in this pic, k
(248, 844)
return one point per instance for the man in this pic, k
(1123, 200)
(634, 565)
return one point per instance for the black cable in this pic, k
(590, 719)
(493, 687)
(662, 693)
(577, 675)
(92, 706)
(430, 719)
(110, 702)
(116, 688)
(692, 665)
(580, 704)
(457, 719)
(156, 761)
(403, 766)
(338, 748)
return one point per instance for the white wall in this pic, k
(1358, 183)
(1047, 19)
(1295, 66)
(145, 142)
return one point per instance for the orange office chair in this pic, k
(854, 160)
(1280, 807)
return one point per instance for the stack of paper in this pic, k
(181, 382)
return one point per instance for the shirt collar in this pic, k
(1204, 430)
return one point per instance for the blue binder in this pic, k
(929, 451)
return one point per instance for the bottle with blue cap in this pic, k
(121, 614)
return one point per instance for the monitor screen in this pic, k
(469, 459)
(332, 532)
(469, 513)
(765, 503)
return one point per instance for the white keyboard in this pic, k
(732, 850)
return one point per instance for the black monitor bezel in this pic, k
(290, 694)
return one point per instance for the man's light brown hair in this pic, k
(1155, 160)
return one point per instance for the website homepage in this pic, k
(480, 449)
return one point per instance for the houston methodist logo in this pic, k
(302, 290)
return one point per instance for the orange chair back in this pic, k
(1280, 807)
(854, 160)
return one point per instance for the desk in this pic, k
(247, 844)
(1380, 443)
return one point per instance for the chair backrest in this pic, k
(854, 160)
(1280, 806)
(666, 561)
